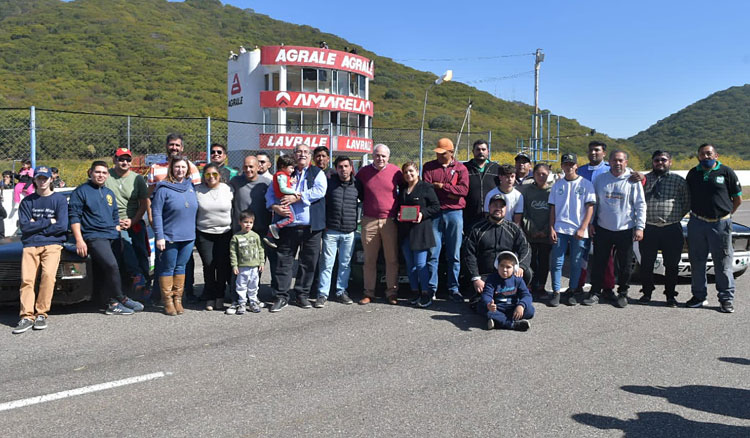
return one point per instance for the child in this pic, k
(283, 184)
(25, 184)
(247, 259)
(506, 297)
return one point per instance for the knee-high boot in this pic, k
(178, 287)
(166, 286)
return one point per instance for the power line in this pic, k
(464, 59)
(498, 78)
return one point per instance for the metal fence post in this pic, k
(32, 136)
(208, 139)
(489, 143)
(421, 147)
(128, 132)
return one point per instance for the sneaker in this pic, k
(726, 307)
(672, 301)
(23, 325)
(490, 323)
(344, 298)
(696, 302)
(270, 242)
(321, 302)
(554, 299)
(303, 303)
(609, 295)
(570, 298)
(253, 306)
(456, 297)
(425, 300)
(645, 299)
(117, 308)
(40, 323)
(521, 325)
(622, 301)
(240, 309)
(273, 230)
(135, 306)
(279, 304)
(590, 299)
(209, 305)
(231, 310)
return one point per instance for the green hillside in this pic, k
(153, 57)
(722, 118)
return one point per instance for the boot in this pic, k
(165, 284)
(178, 287)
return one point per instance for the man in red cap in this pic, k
(450, 178)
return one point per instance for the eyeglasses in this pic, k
(128, 159)
(660, 160)
(302, 152)
(211, 174)
(262, 161)
(217, 152)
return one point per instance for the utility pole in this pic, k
(538, 58)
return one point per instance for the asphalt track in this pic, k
(381, 370)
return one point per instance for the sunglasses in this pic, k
(211, 174)
(217, 152)
(124, 159)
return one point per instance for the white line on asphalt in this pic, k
(79, 391)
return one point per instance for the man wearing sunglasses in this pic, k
(131, 194)
(667, 202)
(219, 157)
(264, 167)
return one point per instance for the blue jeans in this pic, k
(714, 237)
(333, 242)
(173, 259)
(416, 267)
(135, 252)
(503, 316)
(448, 227)
(557, 258)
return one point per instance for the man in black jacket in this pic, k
(482, 178)
(488, 238)
(338, 237)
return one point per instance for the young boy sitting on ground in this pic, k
(506, 297)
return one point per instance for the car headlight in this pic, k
(740, 243)
(70, 270)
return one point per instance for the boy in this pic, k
(283, 184)
(513, 197)
(43, 217)
(506, 297)
(247, 259)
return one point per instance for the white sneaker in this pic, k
(231, 310)
(210, 305)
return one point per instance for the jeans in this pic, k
(174, 258)
(106, 255)
(669, 240)
(604, 240)
(540, 264)
(135, 252)
(291, 239)
(716, 238)
(416, 267)
(214, 252)
(448, 227)
(557, 259)
(333, 242)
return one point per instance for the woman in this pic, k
(417, 236)
(174, 207)
(214, 232)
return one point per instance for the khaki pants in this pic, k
(49, 258)
(374, 233)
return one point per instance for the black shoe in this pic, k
(672, 301)
(279, 304)
(425, 300)
(40, 323)
(554, 299)
(609, 295)
(726, 307)
(320, 302)
(645, 299)
(414, 300)
(622, 301)
(590, 299)
(570, 298)
(521, 325)
(696, 302)
(456, 297)
(303, 303)
(23, 325)
(344, 299)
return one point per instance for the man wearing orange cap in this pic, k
(450, 178)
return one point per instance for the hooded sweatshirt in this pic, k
(174, 208)
(620, 204)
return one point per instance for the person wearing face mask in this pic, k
(715, 194)
(667, 202)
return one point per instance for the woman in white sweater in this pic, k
(214, 232)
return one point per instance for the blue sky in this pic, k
(618, 67)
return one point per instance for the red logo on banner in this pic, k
(236, 88)
(291, 141)
(354, 144)
(283, 98)
(331, 102)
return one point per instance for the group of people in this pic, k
(499, 228)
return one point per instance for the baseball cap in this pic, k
(42, 171)
(444, 145)
(498, 197)
(122, 151)
(523, 155)
(569, 158)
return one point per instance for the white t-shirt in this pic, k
(513, 202)
(570, 199)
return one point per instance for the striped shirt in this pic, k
(667, 198)
(158, 172)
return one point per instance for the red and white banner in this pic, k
(354, 144)
(314, 57)
(291, 141)
(330, 102)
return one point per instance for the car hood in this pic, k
(11, 248)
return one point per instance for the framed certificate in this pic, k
(408, 213)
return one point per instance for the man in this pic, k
(483, 177)
(450, 179)
(667, 202)
(488, 238)
(304, 234)
(95, 223)
(619, 220)
(513, 197)
(264, 166)
(131, 194)
(523, 170)
(338, 237)
(57, 182)
(322, 159)
(535, 225)
(377, 184)
(219, 157)
(715, 194)
(43, 219)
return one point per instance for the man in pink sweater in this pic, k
(377, 184)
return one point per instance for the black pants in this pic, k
(669, 240)
(106, 255)
(604, 240)
(308, 243)
(214, 252)
(540, 265)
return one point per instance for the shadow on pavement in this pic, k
(731, 402)
(735, 360)
(661, 425)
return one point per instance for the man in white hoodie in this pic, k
(619, 220)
